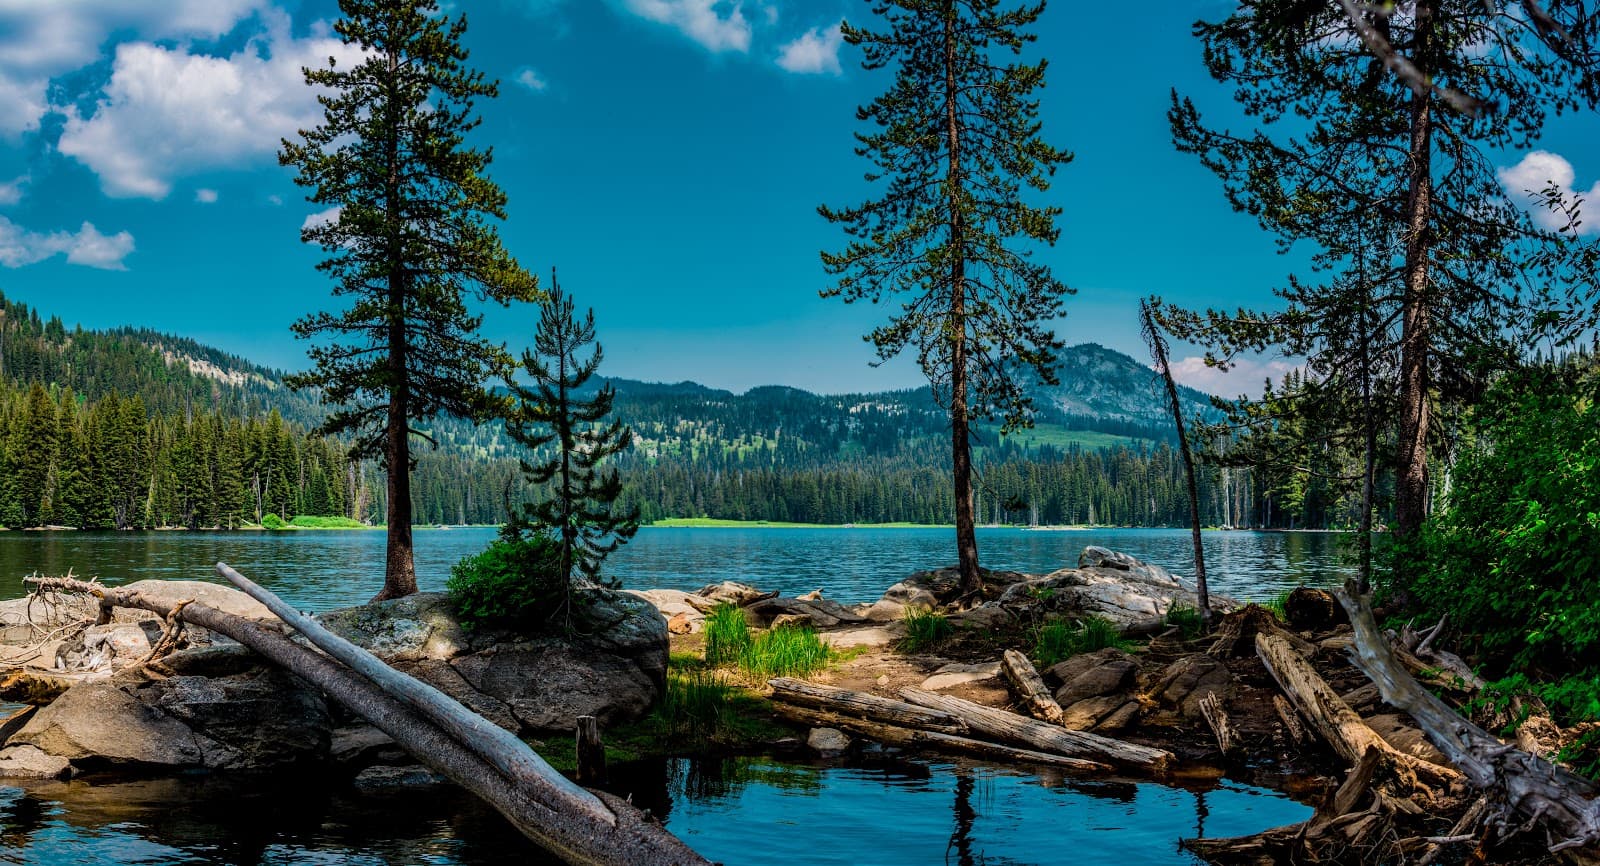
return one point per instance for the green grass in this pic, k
(727, 635)
(307, 521)
(1057, 436)
(1057, 640)
(1278, 604)
(1186, 618)
(720, 523)
(784, 651)
(925, 629)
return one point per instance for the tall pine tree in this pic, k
(410, 237)
(553, 416)
(954, 140)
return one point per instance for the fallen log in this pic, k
(846, 702)
(1216, 717)
(539, 811)
(911, 738)
(1529, 790)
(1030, 687)
(1330, 716)
(1016, 728)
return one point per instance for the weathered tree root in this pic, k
(541, 809)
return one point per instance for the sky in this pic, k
(666, 156)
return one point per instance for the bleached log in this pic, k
(870, 707)
(1328, 714)
(1012, 727)
(895, 735)
(1030, 687)
(1531, 789)
(573, 834)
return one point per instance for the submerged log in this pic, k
(1030, 687)
(895, 735)
(540, 811)
(1049, 738)
(1527, 788)
(1328, 714)
(846, 702)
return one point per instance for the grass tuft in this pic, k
(1278, 604)
(784, 651)
(1057, 640)
(1186, 618)
(727, 635)
(925, 629)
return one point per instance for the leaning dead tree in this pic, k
(588, 828)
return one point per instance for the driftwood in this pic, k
(1527, 789)
(591, 752)
(1291, 721)
(540, 812)
(1030, 687)
(1236, 633)
(1217, 719)
(1329, 715)
(863, 705)
(895, 735)
(1044, 737)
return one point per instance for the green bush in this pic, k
(513, 582)
(1512, 556)
(273, 521)
(311, 521)
(924, 629)
(727, 635)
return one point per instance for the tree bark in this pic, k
(591, 752)
(1411, 482)
(399, 572)
(541, 811)
(896, 735)
(1029, 686)
(1049, 738)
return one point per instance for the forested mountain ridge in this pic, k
(223, 443)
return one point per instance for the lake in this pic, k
(892, 812)
(322, 570)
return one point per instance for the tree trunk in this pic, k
(1158, 347)
(1049, 738)
(399, 572)
(1030, 687)
(1411, 483)
(960, 432)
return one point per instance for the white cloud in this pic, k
(1534, 174)
(41, 39)
(275, 199)
(1244, 376)
(87, 246)
(718, 25)
(815, 52)
(167, 111)
(321, 217)
(205, 196)
(530, 79)
(11, 190)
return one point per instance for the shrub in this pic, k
(311, 521)
(727, 635)
(924, 629)
(273, 521)
(513, 582)
(785, 651)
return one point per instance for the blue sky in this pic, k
(666, 155)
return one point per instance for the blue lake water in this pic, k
(737, 811)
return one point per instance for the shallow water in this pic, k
(736, 811)
(328, 569)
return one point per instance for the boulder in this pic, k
(822, 613)
(363, 745)
(386, 777)
(103, 723)
(727, 592)
(1066, 671)
(1092, 713)
(955, 674)
(213, 595)
(419, 626)
(828, 742)
(1133, 595)
(930, 590)
(1112, 677)
(674, 605)
(863, 637)
(1191, 678)
(30, 762)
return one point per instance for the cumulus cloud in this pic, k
(205, 196)
(11, 190)
(530, 79)
(41, 40)
(167, 110)
(718, 25)
(321, 217)
(1535, 173)
(1244, 377)
(86, 246)
(815, 52)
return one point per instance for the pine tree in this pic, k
(955, 138)
(581, 508)
(410, 239)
